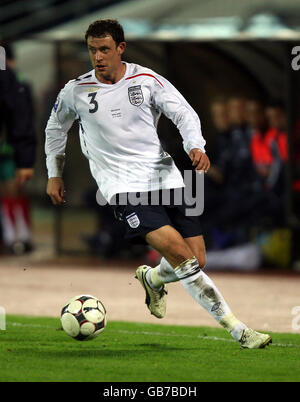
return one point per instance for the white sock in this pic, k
(153, 279)
(205, 292)
(162, 273)
(166, 271)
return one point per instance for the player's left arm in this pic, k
(200, 160)
(173, 105)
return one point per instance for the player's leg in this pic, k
(165, 273)
(176, 251)
(189, 228)
(197, 245)
(156, 225)
(205, 292)
(170, 244)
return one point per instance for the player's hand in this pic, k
(23, 175)
(56, 190)
(200, 160)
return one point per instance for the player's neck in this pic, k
(116, 76)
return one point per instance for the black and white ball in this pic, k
(83, 317)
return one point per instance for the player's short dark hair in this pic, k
(104, 27)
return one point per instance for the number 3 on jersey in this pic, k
(93, 102)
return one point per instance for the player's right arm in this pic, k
(56, 190)
(61, 119)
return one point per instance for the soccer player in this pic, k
(118, 105)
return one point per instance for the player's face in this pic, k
(105, 55)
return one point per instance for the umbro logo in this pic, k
(215, 306)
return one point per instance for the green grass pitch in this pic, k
(35, 349)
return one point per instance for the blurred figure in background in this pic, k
(276, 115)
(277, 119)
(269, 154)
(216, 177)
(253, 165)
(236, 105)
(296, 164)
(240, 163)
(220, 153)
(230, 220)
(17, 154)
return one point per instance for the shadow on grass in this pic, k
(104, 351)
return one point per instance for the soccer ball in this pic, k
(83, 317)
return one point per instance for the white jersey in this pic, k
(118, 130)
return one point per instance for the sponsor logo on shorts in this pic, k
(133, 220)
(136, 96)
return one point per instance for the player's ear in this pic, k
(121, 48)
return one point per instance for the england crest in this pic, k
(133, 220)
(135, 94)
